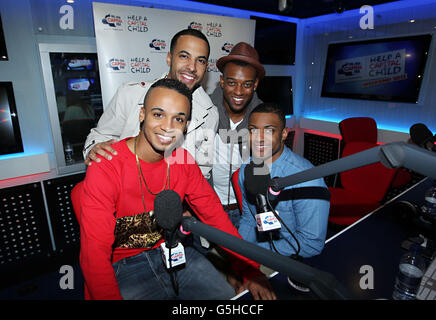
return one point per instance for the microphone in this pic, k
(258, 181)
(266, 220)
(422, 136)
(168, 212)
(261, 203)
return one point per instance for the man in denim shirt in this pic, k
(306, 218)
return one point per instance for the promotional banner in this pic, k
(133, 42)
(385, 69)
(386, 65)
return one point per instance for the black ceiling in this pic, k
(296, 8)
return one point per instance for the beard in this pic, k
(174, 75)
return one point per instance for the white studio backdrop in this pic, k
(133, 42)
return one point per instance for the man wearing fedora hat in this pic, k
(235, 97)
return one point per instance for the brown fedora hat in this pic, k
(243, 52)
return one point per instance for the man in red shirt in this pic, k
(120, 256)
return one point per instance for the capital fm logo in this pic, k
(227, 47)
(116, 64)
(112, 20)
(269, 220)
(195, 25)
(350, 68)
(177, 256)
(158, 45)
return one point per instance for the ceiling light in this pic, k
(285, 5)
(70, 1)
(282, 5)
(339, 6)
(412, 20)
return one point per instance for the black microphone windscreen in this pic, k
(420, 134)
(257, 178)
(168, 209)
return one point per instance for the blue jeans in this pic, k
(235, 217)
(145, 277)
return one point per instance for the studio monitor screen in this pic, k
(3, 51)
(10, 136)
(275, 41)
(278, 90)
(384, 69)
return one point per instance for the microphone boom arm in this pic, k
(391, 155)
(323, 284)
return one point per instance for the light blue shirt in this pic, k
(306, 218)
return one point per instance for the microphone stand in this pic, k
(391, 155)
(323, 284)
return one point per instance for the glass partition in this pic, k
(74, 99)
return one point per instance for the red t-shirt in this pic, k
(111, 190)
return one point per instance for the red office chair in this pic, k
(237, 189)
(363, 189)
(364, 129)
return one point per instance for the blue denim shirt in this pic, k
(306, 218)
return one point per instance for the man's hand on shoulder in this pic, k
(103, 149)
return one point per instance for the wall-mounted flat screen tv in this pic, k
(79, 64)
(80, 84)
(277, 89)
(275, 41)
(384, 69)
(10, 136)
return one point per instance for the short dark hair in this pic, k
(270, 107)
(240, 64)
(189, 32)
(175, 85)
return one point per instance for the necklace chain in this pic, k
(167, 178)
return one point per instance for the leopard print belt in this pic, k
(137, 231)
